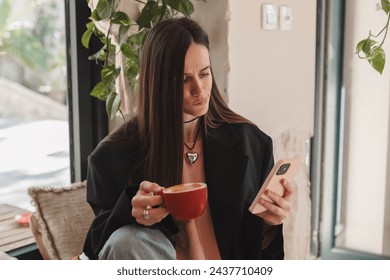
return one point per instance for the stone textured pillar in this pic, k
(290, 143)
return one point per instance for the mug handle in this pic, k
(162, 195)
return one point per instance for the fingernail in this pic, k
(261, 201)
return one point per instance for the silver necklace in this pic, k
(191, 155)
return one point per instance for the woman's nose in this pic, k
(196, 87)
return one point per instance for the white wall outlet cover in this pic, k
(285, 18)
(269, 17)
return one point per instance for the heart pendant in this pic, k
(192, 157)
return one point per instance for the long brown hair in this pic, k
(160, 111)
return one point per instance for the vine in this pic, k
(370, 49)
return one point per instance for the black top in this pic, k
(237, 159)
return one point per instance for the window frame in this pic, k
(88, 121)
(329, 128)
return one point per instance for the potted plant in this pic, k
(121, 26)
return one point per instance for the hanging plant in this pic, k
(370, 49)
(127, 39)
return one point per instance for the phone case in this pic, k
(283, 169)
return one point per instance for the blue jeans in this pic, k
(135, 242)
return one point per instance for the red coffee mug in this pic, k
(186, 201)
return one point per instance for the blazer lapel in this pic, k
(224, 171)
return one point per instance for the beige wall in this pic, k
(214, 17)
(272, 72)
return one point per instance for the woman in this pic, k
(183, 132)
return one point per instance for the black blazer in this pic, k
(237, 159)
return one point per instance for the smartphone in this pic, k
(283, 169)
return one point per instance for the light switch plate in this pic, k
(269, 17)
(285, 18)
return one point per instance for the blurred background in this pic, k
(34, 130)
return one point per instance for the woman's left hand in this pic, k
(280, 207)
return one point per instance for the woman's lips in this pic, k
(202, 101)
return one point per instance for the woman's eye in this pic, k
(203, 75)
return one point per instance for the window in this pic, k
(34, 130)
(355, 147)
(81, 120)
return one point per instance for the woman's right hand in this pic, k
(147, 204)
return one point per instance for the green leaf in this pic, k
(104, 9)
(120, 18)
(378, 61)
(100, 55)
(367, 46)
(132, 71)
(138, 38)
(183, 6)
(95, 15)
(113, 102)
(87, 34)
(385, 6)
(100, 91)
(148, 15)
(122, 35)
(127, 51)
(359, 46)
(109, 74)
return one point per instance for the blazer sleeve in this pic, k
(110, 195)
(111, 204)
